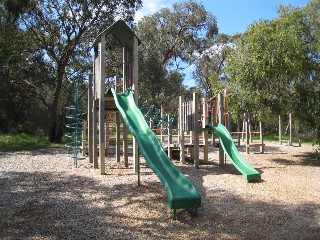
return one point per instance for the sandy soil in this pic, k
(44, 197)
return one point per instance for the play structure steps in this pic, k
(181, 193)
(230, 149)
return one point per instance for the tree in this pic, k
(61, 33)
(275, 66)
(308, 92)
(175, 35)
(18, 109)
(170, 38)
(270, 58)
(210, 66)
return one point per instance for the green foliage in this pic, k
(19, 110)
(170, 38)
(175, 34)
(270, 58)
(210, 67)
(51, 49)
(22, 142)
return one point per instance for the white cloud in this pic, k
(152, 6)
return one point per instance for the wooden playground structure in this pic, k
(193, 115)
(100, 105)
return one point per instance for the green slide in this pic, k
(181, 193)
(233, 154)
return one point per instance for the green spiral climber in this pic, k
(74, 127)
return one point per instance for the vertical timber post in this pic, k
(205, 132)
(221, 153)
(169, 129)
(195, 106)
(181, 130)
(125, 86)
(261, 137)
(290, 129)
(280, 130)
(117, 126)
(101, 105)
(238, 128)
(96, 82)
(136, 95)
(90, 119)
(247, 132)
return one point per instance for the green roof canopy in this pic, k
(121, 31)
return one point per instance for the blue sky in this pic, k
(232, 15)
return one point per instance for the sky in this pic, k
(233, 16)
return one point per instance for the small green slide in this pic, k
(233, 154)
(181, 193)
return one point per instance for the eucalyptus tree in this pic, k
(308, 92)
(17, 108)
(270, 58)
(170, 37)
(175, 34)
(209, 70)
(61, 31)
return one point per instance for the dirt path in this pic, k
(42, 196)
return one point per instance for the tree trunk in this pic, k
(56, 127)
(56, 120)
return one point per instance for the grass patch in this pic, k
(22, 142)
(285, 138)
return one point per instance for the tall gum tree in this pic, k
(275, 66)
(270, 58)
(172, 36)
(62, 32)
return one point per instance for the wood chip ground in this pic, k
(42, 196)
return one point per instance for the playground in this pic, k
(45, 197)
(213, 187)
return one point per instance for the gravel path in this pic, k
(44, 197)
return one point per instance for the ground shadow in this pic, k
(58, 205)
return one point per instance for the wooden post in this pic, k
(101, 104)
(238, 128)
(136, 166)
(261, 137)
(96, 84)
(118, 141)
(247, 132)
(90, 118)
(205, 133)
(280, 130)
(221, 153)
(169, 136)
(195, 129)
(250, 126)
(190, 121)
(181, 131)
(95, 134)
(213, 122)
(124, 87)
(84, 136)
(290, 129)
(229, 127)
(161, 125)
(243, 127)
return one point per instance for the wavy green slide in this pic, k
(233, 154)
(181, 191)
